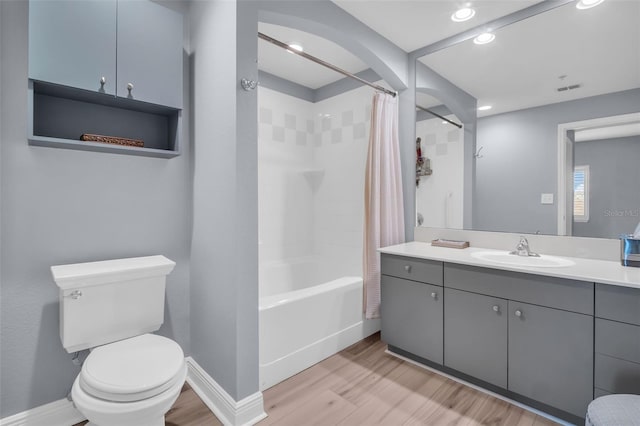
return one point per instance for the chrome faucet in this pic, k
(522, 249)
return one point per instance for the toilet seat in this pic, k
(132, 369)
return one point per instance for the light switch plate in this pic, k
(546, 199)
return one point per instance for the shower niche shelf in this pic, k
(58, 115)
(313, 177)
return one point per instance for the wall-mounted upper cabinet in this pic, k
(105, 67)
(73, 43)
(128, 48)
(149, 65)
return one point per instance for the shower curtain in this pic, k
(384, 212)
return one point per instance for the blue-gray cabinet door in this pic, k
(150, 40)
(551, 356)
(411, 314)
(73, 43)
(475, 335)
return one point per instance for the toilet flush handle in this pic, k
(75, 294)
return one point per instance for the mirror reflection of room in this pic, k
(532, 78)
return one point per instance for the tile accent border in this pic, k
(247, 411)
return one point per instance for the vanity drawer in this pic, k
(616, 375)
(618, 340)
(427, 271)
(570, 295)
(618, 303)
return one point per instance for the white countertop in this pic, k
(599, 271)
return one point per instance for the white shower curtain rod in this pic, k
(459, 126)
(325, 64)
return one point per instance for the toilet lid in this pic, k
(132, 369)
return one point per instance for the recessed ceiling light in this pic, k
(484, 38)
(588, 4)
(296, 46)
(463, 14)
(485, 108)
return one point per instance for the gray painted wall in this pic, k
(224, 255)
(63, 206)
(614, 204)
(519, 163)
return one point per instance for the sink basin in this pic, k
(504, 258)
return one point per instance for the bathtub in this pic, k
(304, 320)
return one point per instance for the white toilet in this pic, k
(131, 377)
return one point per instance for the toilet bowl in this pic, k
(133, 382)
(131, 377)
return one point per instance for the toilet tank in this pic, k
(102, 302)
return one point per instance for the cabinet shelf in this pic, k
(58, 115)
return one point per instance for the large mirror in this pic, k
(558, 152)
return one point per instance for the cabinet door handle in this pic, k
(434, 295)
(518, 313)
(496, 308)
(103, 80)
(407, 268)
(129, 87)
(75, 294)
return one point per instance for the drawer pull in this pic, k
(434, 295)
(518, 313)
(407, 268)
(496, 308)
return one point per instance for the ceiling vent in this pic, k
(572, 87)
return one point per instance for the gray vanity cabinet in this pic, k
(73, 43)
(475, 334)
(411, 306)
(529, 334)
(551, 356)
(617, 340)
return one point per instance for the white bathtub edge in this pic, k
(289, 297)
(293, 363)
(247, 411)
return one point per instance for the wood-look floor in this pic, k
(362, 385)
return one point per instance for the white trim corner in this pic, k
(56, 413)
(247, 411)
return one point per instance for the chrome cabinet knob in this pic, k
(496, 308)
(129, 86)
(103, 80)
(518, 313)
(434, 295)
(407, 268)
(75, 294)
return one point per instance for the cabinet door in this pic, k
(73, 43)
(551, 356)
(475, 335)
(149, 53)
(411, 314)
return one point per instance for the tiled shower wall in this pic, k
(285, 196)
(439, 196)
(311, 161)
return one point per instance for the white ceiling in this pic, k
(412, 24)
(598, 48)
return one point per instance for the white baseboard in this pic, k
(56, 413)
(247, 411)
